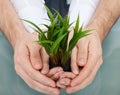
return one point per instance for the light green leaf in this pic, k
(49, 13)
(56, 44)
(77, 25)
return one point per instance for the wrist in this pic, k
(98, 28)
(14, 33)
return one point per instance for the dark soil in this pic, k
(66, 67)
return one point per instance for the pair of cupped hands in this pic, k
(32, 64)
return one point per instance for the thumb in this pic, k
(45, 61)
(35, 57)
(74, 66)
(82, 52)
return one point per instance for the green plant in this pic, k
(55, 39)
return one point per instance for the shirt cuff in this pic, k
(32, 11)
(35, 15)
(83, 8)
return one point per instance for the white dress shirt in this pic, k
(35, 11)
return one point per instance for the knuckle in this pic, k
(82, 51)
(31, 85)
(99, 54)
(31, 75)
(75, 89)
(17, 59)
(95, 54)
(36, 60)
(92, 53)
(90, 82)
(44, 89)
(87, 72)
(101, 61)
(17, 68)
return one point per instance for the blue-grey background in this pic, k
(107, 81)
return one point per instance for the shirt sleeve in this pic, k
(32, 10)
(83, 8)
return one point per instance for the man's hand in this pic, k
(88, 53)
(65, 79)
(29, 58)
(62, 78)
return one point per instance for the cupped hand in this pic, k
(62, 78)
(29, 58)
(88, 55)
(65, 79)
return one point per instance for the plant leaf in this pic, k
(56, 44)
(49, 13)
(33, 24)
(77, 24)
(45, 42)
(76, 37)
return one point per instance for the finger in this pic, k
(45, 61)
(74, 66)
(36, 85)
(35, 56)
(37, 76)
(65, 81)
(25, 63)
(60, 85)
(68, 75)
(56, 76)
(92, 60)
(87, 81)
(82, 52)
(53, 71)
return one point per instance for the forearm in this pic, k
(9, 22)
(105, 16)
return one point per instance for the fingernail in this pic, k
(37, 65)
(82, 62)
(52, 85)
(63, 82)
(44, 72)
(60, 69)
(76, 72)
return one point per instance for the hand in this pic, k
(86, 54)
(61, 78)
(29, 58)
(65, 79)
(55, 73)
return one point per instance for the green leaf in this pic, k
(42, 36)
(56, 44)
(75, 39)
(54, 35)
(52, 28)
(47, 26)
(33, 24)
(45, 42)
(77, 25)
(55, 39)
(59, 16)
(49, 13)
(47, 47)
